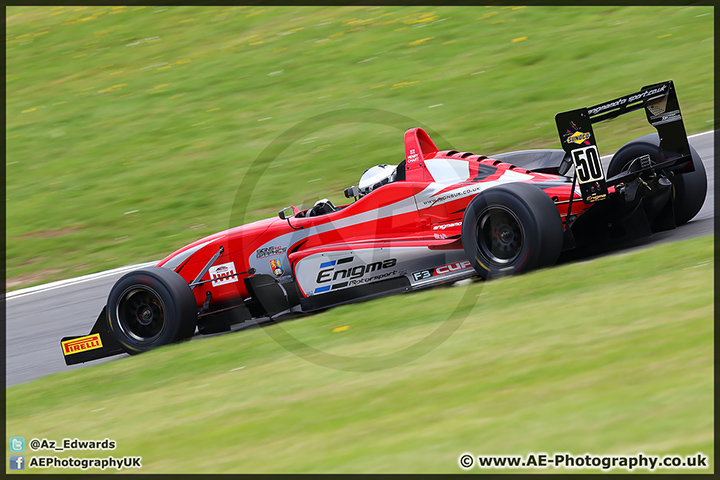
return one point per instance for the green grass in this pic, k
(159, 111)
(611, 356)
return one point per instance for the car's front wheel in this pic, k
(149, 308)
(511, 229)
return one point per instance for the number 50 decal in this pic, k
(587, 164)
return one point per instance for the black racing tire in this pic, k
(689, 189)
(151, 307)
(511, 229)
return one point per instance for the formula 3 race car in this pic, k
(438, 217)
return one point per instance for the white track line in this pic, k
(609, 155)
(700, 134)
(74, 281)
(95, 276)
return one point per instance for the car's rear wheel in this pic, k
(689, 189)
(511, 229)
(149, 308)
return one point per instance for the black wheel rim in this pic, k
(141, 314)
(499, 235)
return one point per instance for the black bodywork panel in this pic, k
(662, 111)
(361, 292)
(542, 161)
(109, 345)
(268, 292)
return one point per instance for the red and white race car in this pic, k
(437, 217)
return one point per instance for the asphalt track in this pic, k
(38, 317)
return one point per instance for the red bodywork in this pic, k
(418, 211)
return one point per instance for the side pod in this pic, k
(99, 343)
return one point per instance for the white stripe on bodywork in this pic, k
(406, 205)
(430, 196)
(448, 170)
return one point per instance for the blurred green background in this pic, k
(129, 129)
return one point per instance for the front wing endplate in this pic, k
(99, 343)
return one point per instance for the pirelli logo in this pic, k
(81, 344)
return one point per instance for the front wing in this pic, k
(99, 343)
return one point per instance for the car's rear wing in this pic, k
(578, 139)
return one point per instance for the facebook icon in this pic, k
(17, 462)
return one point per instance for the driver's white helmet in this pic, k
(375, 177)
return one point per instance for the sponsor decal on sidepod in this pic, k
(223, 270)
(276, 267)
(269, 251)
(352, 275)
(434, 272)
(447, 225)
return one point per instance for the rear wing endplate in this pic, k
(578, 139)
